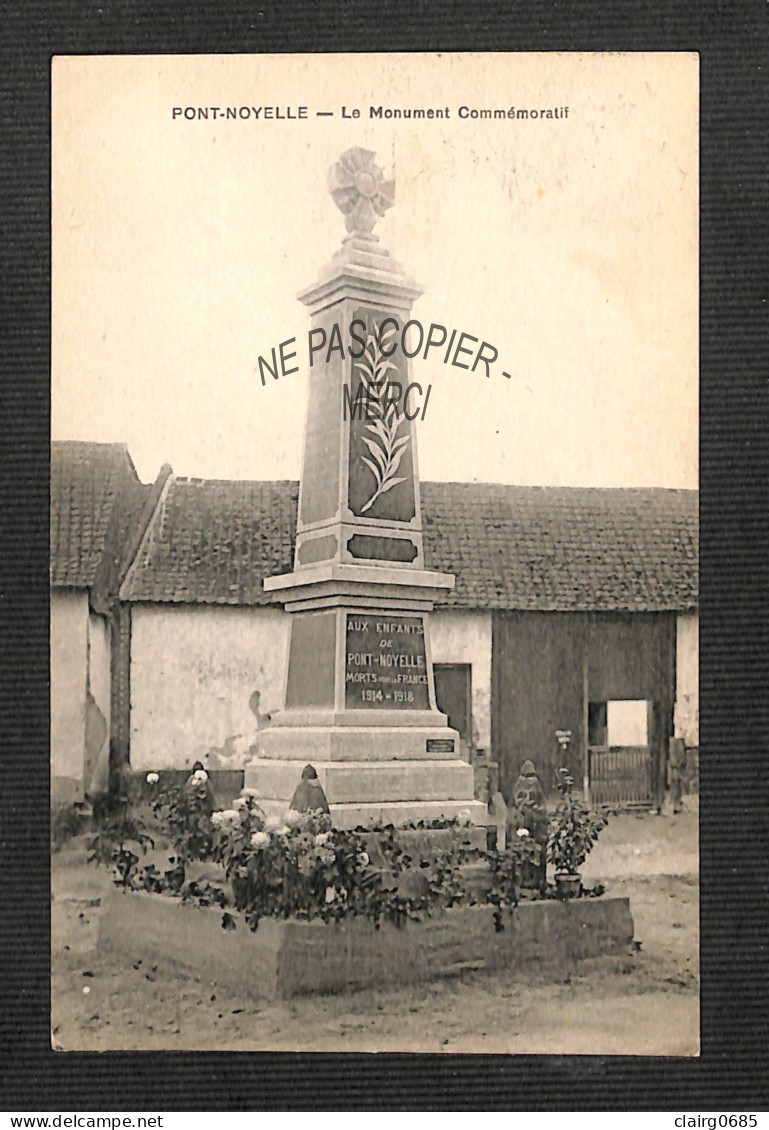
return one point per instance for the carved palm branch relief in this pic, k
(385, 446)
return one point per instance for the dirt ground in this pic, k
(645, 1002)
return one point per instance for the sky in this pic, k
(568, 242)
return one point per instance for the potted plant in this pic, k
(574, 829)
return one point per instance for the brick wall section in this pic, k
(120, 714)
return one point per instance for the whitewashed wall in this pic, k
(193, 670)
(457, 636)
(99, 662)
(69, 667)
(687, 709)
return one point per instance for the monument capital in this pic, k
(359, 190)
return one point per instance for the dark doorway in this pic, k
(562, 671)
(454, 696)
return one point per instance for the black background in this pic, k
(731, 1073)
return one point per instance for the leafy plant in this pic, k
(385, 445)
(506, 867)
(574, 828)
(182, 816)
(149, 879)
(119, 831)
(68, 821)
(303, 867)
(204, 894)
(309, 869)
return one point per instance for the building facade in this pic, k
(574, 614)
(98, 508)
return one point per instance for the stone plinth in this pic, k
(288, 959)
(414, 790)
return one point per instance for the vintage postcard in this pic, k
(374, 553)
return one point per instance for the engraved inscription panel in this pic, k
(362, 546)
(385, 662)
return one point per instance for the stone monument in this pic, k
(359, 700)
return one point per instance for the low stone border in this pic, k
(291, 958)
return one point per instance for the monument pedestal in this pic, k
(359, 700)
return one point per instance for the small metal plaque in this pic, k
(440, 745)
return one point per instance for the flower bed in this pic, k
(302, 866)
(297, 905)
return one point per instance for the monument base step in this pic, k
(367, 815)
(356, 782)
(359, 743)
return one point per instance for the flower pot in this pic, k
(567, 885)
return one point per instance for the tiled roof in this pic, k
(510, 547)
(214, 541)
(96, 500)
(563, 549)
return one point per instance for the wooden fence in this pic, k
(620, 775)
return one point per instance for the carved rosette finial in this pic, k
(359, 190)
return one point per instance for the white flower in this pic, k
(152, 778)
(225, 816)
(250, 793)
(363, 859)
(200, 775)
(239, 803)
(464, 816)
(330, 894)
(272, 823)
(260, 839)
(294, 818)
(322, 838)
(523, 833)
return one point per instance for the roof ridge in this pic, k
(198, 481)
(119, 445)
(146, 516)
(153, 512)
(560, 489)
